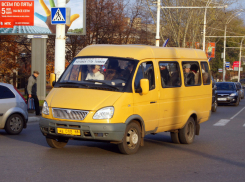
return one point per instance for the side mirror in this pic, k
(52, 79)
(144, 85)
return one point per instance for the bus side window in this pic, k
(205, 73)
(170, 74)
(145, 70)
(191, 72)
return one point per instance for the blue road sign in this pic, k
(58, 15)
(227, 64)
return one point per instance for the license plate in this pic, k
(68, 131)
(221, 98)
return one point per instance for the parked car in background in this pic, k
(242, 81)
(241, 90)
(13, 109)
(228, 93)
(214, 95)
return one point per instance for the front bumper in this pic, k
(89, 131)
(227, 100)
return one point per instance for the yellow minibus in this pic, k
(121, 93)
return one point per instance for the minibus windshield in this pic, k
(98, 73)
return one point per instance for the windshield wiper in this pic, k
(74, 83)
(102, 83)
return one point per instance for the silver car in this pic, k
(13, 109)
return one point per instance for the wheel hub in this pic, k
(15, 123)
(190, 131)
(134, 138)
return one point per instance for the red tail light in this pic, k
(20, 95)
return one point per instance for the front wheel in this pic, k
(56, 143)
(131, 139)
(187, 134)
(214, 106)
(237, 102)
(14, 124)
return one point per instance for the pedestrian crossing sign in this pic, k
(58, 15)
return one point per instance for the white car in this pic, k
(13, 109)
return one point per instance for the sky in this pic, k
(239, 5)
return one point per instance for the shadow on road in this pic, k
(159, 140)
(153, 144)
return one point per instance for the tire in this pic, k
(175, 137)
(214, 106)
(14, 124)
(237, 102)
(57, 143)
(131, 140)
(187, 134)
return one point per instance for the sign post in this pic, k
(58, 17)
(210, 50)
(227, 64)
(236, 65)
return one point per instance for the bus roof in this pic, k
(141, 52)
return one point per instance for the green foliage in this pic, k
(77, 30)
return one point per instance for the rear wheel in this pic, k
(187, 134)
(56, 143)
(131, 139)
(14, 124)
(175, 137)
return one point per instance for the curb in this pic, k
(33, 119)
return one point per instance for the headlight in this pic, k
(45, 109)
(233, 94)
(104, 113)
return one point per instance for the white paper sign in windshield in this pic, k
(90, 61)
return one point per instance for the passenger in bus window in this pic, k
(165, 75)
(95, 73)
(189, 76)
(195, 71)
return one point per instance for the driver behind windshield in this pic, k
(95, 73)
(126, 72)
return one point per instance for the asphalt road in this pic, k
(217, 154)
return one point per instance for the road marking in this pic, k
(237, 113)
(244, 125)
(222, 122)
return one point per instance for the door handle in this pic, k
(153, 102)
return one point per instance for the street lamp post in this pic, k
(204, 25)
(158, 23)
(224, 53)
(227, 22)
(240, 58)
